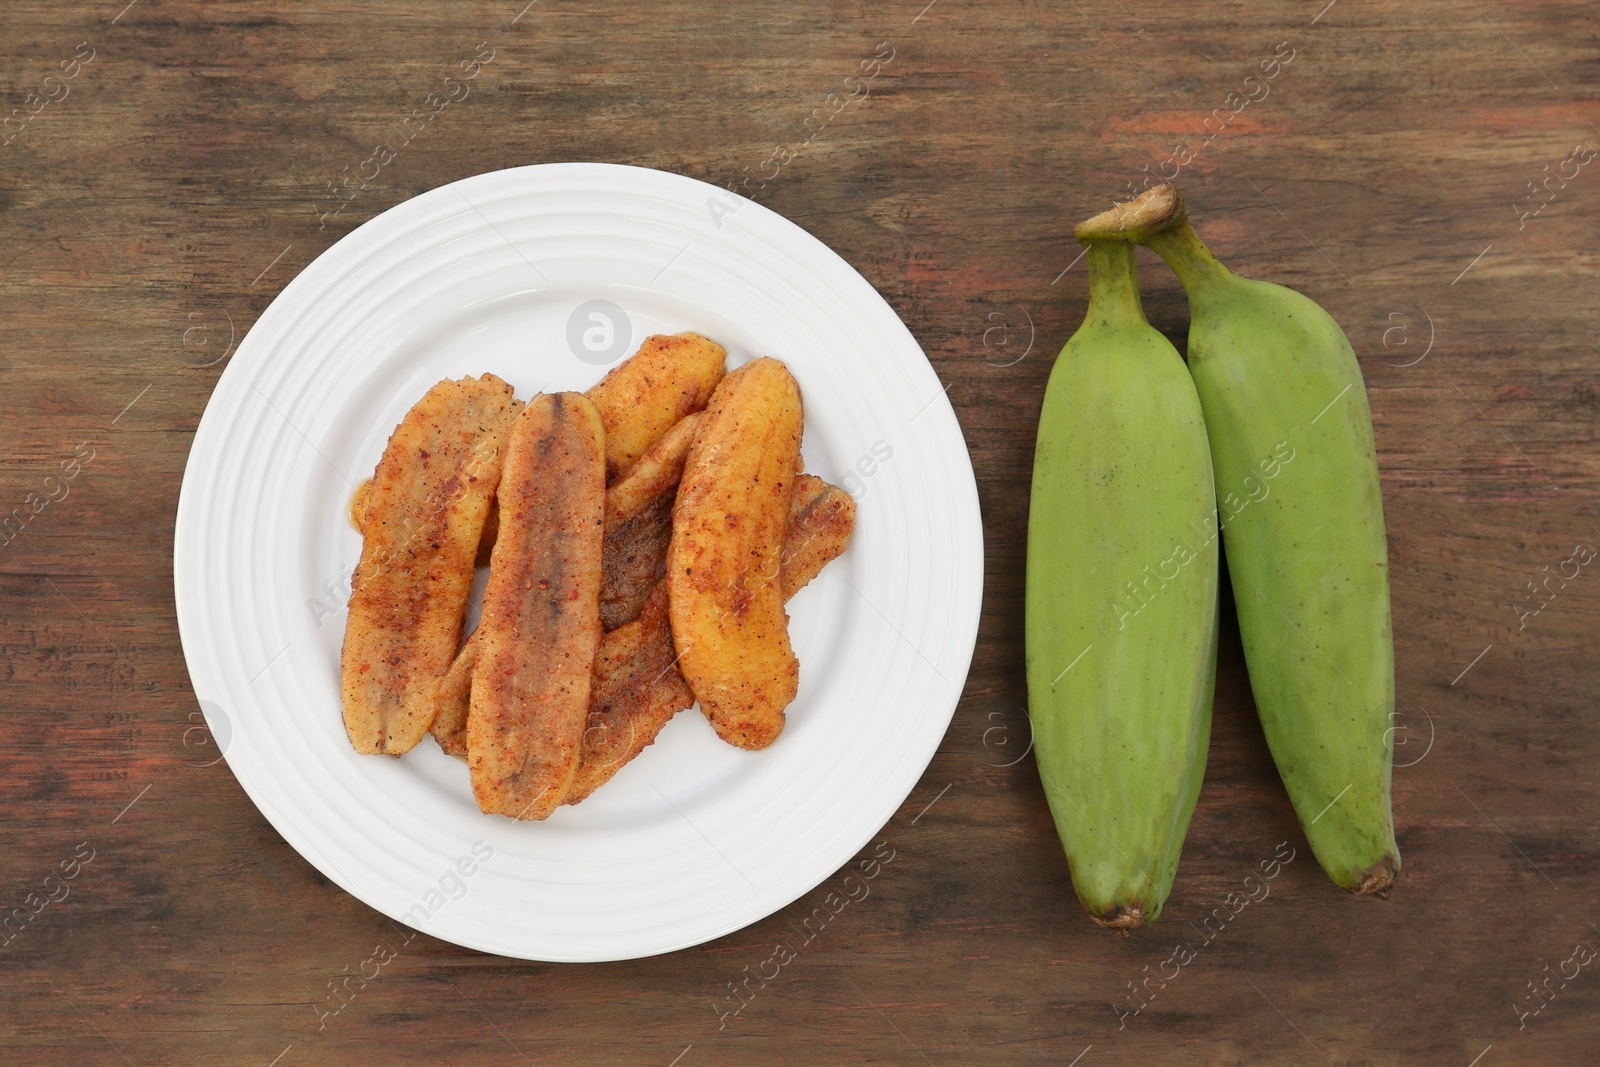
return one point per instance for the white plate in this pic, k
(694, 839)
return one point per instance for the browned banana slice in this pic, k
(637, 685)
(821, 517)
(637, 688)
(643, 396)
(638, 527)
(541, 611)
(423, 514)
(491, 524)
(723, 566)
(639, 524)
(455, 700)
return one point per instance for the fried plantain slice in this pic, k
(639, 524)
(642, 397)
(455, 700)
(423, 515)
(724, 563)
(821, 517)
(637, 685)
(491, 524)
(541, 611)
(637, 689)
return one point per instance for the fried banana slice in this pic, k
(491, 525)
(724, 563)
(637, 685)
(643, 396)
(625, 712)
(455, 700)
(541, 611)
(639, 524)
(637, 689)
(821, 517)
(423, 515)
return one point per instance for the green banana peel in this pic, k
(1302, 525)
(1121, 602)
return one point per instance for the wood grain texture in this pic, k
(155, 209)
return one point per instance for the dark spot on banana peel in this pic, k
(1124, 918)
(1377, 879)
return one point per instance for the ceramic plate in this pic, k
(548, 275)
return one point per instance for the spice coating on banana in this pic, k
(724, 562)
(422, 516)
(541, 611)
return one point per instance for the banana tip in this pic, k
(1377, 880)
(1124, 919)
(1158, 207)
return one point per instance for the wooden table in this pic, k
(175, 167)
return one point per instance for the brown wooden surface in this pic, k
(176, 188)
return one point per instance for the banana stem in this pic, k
(1157, 220)
(1113, 284)
(1200, 272)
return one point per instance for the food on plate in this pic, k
(1121, 602)
(641, 402)
(540, 627)
(575, 665)
(637, 689)
(641, 398)
(455, 700)
(821, 517)
(639, 523)
(491, 525)
(637, 685)
(423, 517)
(1284, 403)
(725, 595)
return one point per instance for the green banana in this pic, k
(1121, 622)
(1302, 526)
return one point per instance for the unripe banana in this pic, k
(1121, 621)
(1302, 525)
